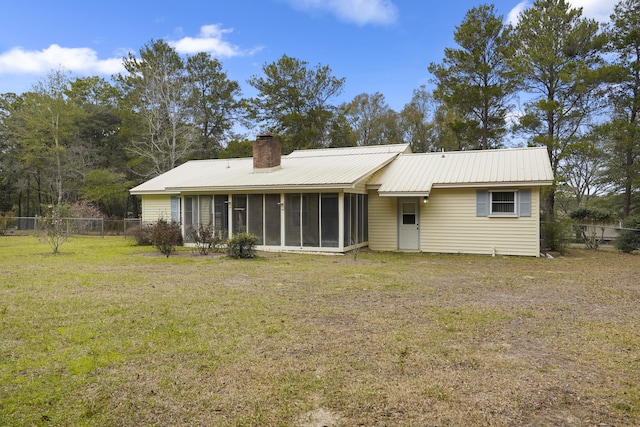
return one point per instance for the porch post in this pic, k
(341, 220)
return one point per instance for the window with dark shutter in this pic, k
(503, 202)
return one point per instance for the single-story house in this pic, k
(384, 197)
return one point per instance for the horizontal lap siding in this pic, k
(449, 225)
(360, 187)
(155, 207)
(383, 225)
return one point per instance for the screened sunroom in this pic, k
(309, 200)
(323, 221)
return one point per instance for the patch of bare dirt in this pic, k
(320, 417)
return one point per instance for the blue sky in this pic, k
(377, 45)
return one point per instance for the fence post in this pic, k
(102, 223)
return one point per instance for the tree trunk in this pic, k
(626, 204)
(549, 204)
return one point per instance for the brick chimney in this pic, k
(266, 154)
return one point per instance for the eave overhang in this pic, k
(426, 191)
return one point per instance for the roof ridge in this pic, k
(490, 150)
(356, 147)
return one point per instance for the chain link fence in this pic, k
(560, 234)
(76, 226)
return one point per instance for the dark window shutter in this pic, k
(482, 203)
(525, 202)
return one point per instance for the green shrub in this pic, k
(242, 245)
(165, 236)
(555, 235)
(629, 238)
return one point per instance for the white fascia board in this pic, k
(153, 192)
(403, 194)
(278, 188)
(494, 184)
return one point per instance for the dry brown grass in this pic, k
(133, 338)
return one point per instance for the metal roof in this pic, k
(342, 151)
(390, 169)
(327, 170)
(418, 173)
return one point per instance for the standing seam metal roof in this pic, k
(392, 171)
(299, 171)
(418, 173)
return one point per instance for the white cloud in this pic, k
(514, 14)
(600, 10)
(361, 12)
(209, 40)
(82, 59)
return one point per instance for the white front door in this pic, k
(408, 224)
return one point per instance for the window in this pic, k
(409, 213)
(356, 221)
(292, 219)
(310, 220)
(239, 205)
(190, 217)
(255, 219)
(221, 215)
(329, 220)
(272, 219)
(363, 214)
(503, 202)
(197, 212)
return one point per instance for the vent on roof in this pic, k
(267, 152)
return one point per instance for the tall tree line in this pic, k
(552, 79)
(574, 102)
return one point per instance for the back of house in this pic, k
(338, 199)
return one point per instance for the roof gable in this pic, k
(330, 168)
(418, 173)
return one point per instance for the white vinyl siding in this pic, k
(360, 187)
(383, 223)
(155, 207)
(449, 225)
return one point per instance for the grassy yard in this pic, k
(109, 334)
